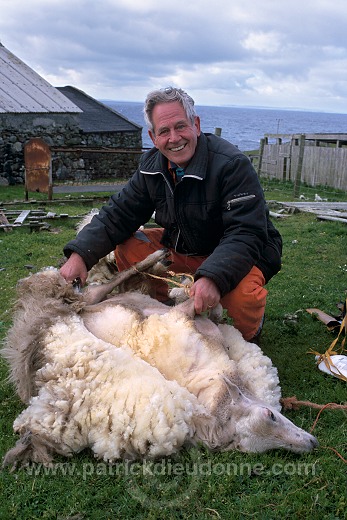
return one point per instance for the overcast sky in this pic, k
(263, 53)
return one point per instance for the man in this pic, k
(210, 208)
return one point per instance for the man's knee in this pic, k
(246, 303)
(137, 247)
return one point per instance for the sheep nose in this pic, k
(314, 442)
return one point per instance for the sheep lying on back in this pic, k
(129, 377)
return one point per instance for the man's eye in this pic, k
(162, 133)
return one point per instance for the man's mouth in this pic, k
(177, 149)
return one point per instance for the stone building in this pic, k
(87, 139)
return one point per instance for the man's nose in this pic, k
(174, 135)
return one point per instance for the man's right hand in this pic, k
(205, 293)
(73, 268)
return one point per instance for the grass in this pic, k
(197, 484)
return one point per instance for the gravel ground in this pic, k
(84, 188)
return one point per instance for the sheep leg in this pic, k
(186, 307)
(97, 293)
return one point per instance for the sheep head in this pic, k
(249, 425)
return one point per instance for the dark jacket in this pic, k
(217, 210)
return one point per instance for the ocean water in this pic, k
(244, 127)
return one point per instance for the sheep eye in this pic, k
(272, 417)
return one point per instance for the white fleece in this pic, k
(92, 394)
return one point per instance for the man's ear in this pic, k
(152, 136)
(197, 124)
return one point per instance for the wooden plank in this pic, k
(8, 226)
(334, 219)
(323, 205)
(23, 215)
(277, 215)
(331, 213)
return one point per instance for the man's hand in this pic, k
(75, 267)
(205, 293)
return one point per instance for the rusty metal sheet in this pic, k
(38, 169)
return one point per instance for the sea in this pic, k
(245, 127)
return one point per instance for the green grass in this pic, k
(284, 191)
(197, 484)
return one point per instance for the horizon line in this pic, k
(253, 107)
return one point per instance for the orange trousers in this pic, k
(245, 304)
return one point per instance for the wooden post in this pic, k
(284, 175)
(261, 153)
(299, 167)
(218, 131)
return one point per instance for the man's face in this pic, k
(173, 134)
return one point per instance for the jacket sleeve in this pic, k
(115, 222)
(244, 218)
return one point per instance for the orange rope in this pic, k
(186, 287)
(336, 453)
(291, 403)
(328, 405)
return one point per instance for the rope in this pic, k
(186, 287)
(291, 403)
(336, 453)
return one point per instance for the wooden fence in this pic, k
(314, 159)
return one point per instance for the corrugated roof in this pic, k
(22, 90)
(95, 116)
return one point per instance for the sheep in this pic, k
(129, 377)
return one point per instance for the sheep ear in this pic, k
(234, 391)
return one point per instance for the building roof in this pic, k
(24, 91)
(95, 116)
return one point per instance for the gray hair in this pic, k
(168, 95)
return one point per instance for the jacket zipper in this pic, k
(172, 193)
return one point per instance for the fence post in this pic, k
(261, 153)
(218, 131)
(299, 167)
(284, 173)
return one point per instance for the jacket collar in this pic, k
(198, 165)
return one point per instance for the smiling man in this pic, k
(210, 211)
(175, 135)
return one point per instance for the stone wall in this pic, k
(61, 132)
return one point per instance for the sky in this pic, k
(254, 53)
